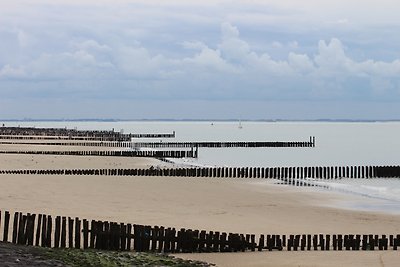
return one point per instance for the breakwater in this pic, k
(68, 232)
(131, 153)
(287, 174)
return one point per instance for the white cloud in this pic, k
(228, 67)
(331, 58)
(232, 47)
(209, 60)
(194, 45)
(301, 63)
(9, 72)
(91, 45)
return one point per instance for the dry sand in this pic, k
(36, 162)
(227, 205)
(300, 258)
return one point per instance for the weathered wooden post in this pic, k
(328, 242)
(77, 233)
(85, 234)
(63, 232)
(6, 226)
(21, 229)
(70, 232)
(57, 232)
(290, 242)
(31, 231)
(371, 242)
(49, 228)
(322, 242)
(15, 228)
(315, 242)
(340, 242)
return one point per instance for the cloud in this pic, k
(300, 63)
(91, 45)
(230, 67)
(8, 72)
(232, 47)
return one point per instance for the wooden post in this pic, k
(77, 233)
(357, 241)
(322, 242)
(38, 228)
(290, 242)
(328, 242)
(44, 231)
(261, 243)
(137, 237)
(253, 242)
(70, 232)
(364, 244)
(30, 229)
(339, 242)
(122, 235)
(106, 240)
(15, 228)
(6, 225)
(146, 235)
(21, 229)
(215, 247)
(315, 242)
(57, 232)
(129, 236)
(154, 235)
(308, 242)
(93, 233)
(63, 232)
(49, 229)
(303, 242)
(85, 234)
(161, 239)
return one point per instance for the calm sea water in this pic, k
(336, 144)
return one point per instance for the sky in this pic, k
(189, 59)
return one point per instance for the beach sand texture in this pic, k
(226, 205)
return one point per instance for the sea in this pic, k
(336, 144)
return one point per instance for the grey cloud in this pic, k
(230, 67)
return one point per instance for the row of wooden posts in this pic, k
(62, 132)
(85, 144)
(310, 143)
(32, 132)
(66, 232)
(193, 153)
(288, 174)
(80, 138)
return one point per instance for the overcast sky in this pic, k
(265, 59)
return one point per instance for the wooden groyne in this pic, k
(131, 153)
(68, 232)
(33, 133)
(153, 135)
(310, 143)
(286, 174)
(71, 143)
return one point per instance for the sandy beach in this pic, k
(227, 205)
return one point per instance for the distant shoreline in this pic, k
(194, 120)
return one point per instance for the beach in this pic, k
(212, 204)
(232, 205)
